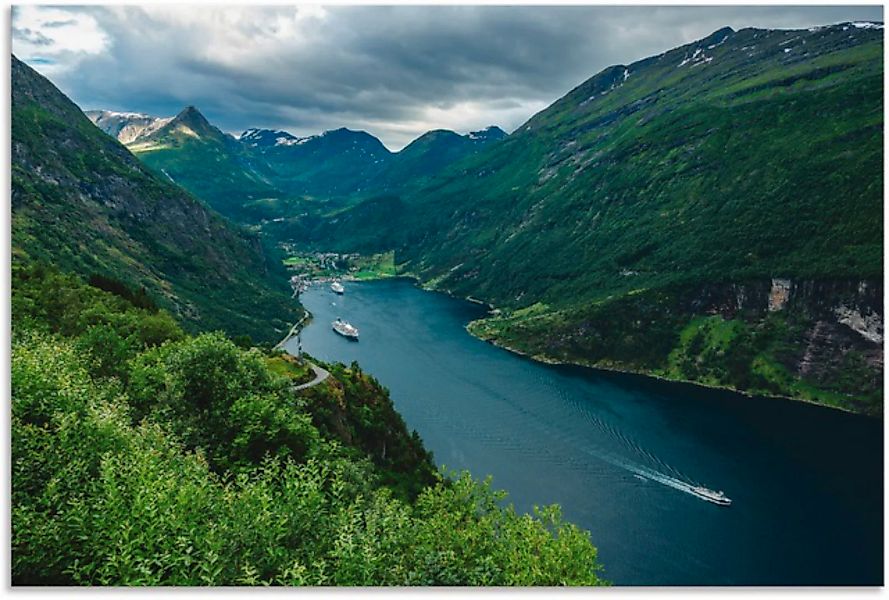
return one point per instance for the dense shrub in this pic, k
(190, 463)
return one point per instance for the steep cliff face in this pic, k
(822, 296)
(839, 333)
(816, 340)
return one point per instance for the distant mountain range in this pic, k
(263, 173)
(83, 203)
(710, 214)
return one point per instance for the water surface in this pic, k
(806, 481)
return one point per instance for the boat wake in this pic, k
(640, 462)
(694, 489)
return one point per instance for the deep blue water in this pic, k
(807, 482)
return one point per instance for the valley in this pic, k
(616, 450)
(652, 198)
(667, 282)
(640, 222)
(159, 439)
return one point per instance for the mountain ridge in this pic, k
(262, 174)
(596, 226)
(83, 202)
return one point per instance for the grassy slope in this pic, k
(763, 161)
(203, 160)
(730, 170)
(81, 201)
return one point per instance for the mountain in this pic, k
(127, 127)
(491, 133)
(213, 165)
(335, 163)
(429, 155)
(343, 162)
(272, 175)
(189, 126)
(712, 213)
(82, 202)
(265, 138)
(263, 173)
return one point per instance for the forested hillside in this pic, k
(144, 456)
(82, 202)
(603, 226)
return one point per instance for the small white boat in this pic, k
(337, 287)
(345, 329)
(710, 496)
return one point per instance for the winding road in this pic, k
(320, 376)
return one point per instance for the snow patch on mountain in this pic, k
(867, 25)
(696, 59)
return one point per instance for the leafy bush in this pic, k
(190, 463)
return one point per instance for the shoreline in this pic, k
(542, 359)
(293, 329)
(648, 375)
(623, 371)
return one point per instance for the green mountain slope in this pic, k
(429, 155)
(212, 165)
(739, 158)
(334, 164)
(370, 176)
(272, 178)
(82, 202)
(724, 168)
(143, 456)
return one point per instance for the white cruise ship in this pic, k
(345, 329)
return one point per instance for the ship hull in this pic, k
(719, 501)
(349, 336)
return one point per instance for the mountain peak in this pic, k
(191, 123)
(719, 35)
(190, 115)
(269, 137)
(490, 133)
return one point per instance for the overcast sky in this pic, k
(395, 72)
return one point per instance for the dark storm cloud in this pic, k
(394, 71)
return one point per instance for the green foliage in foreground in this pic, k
(186, 461)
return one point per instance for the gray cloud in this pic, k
(393, 71)
(64, 23)
(33, 37)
